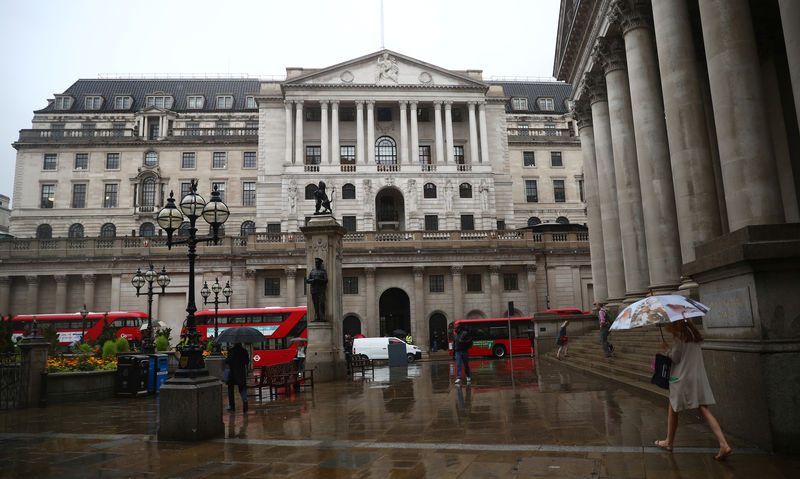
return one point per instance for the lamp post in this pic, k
(84, 312)
(170, 218)
(150, 276)
(205, 293)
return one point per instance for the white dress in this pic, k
(688, 383)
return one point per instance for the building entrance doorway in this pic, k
(351, 325)
(437, 324)
(395, 312)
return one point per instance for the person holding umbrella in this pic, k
(237, 362)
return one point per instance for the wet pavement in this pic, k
(546, 421)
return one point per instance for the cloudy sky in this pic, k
(47, 45)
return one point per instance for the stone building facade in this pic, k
(433, 172)
(691, 151)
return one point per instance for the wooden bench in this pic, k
(361, 361)
(281, 376)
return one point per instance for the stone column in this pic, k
(611, 53)
(299, 152)
(484, 132)
(335, 148)
(652, 150)
(5, 295)
(696, 204)
(448, 131)
(419, 327)
(371, 132)
(323, 133)
(437, 117)
(373, 324)
(404, 158)
(288, 108)
(583, 116)
(530, 278)
(790, 19)
(89, 281)
(747, 159)
(32, 295)
(473, 134)
(252, 291)
(291, 286)
(606, 181)
(458, 292)
(360, 157)
(494, 290)
(414, 134)
(34, 361)
(61, 292)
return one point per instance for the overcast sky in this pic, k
(47, 45)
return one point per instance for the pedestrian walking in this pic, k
(435, 343)
(462, 343)
(237, 363)
(562, 341)
(688, 384)
(348, 352)
(605, 324)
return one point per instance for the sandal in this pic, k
(663, 445)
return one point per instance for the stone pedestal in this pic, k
(190, 409)
(34, 360)
(215, 365)
(326, 361)
(752, 349)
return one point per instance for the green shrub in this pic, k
(162, 343)
(85, 348)
(123, 346)
(109, 349)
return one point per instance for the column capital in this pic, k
(629, 17)
(456, 270)
(419, 271)
(288, 103)
(370, 271)
(334, 103)
(494, 269)
(472, 102)
(437, 104)
(299, 103)
(448, 104)
(609, 52)
(530, 268)
(359, 103)
(481, 105)
(32, 279)
(89, 278)
(582, 113)
(324, 103)
(291, 272)
(60, 278)
(413, 104)
(370, 103)
(250, 273)
(594, 86)
(403, 103)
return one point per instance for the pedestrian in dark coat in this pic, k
(237, 361)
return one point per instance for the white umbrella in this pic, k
(659, 310)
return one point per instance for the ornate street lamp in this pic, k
(84, 312)
(170, 218)
(150, 276)
(205, 293)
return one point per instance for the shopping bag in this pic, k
(662, 365)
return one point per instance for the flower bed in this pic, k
(79, 363)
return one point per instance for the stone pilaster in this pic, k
(372, 305)
(89, 281)
(419, 327)
(252, 292)
(33, 294)
(61, 292)
(530, 278)
(5, 295)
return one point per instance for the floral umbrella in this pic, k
(660, 309)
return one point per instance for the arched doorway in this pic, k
(394, 312)
(351, 325)
(390, 208)
(438, 324)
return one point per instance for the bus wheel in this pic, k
(410, 357)
(499, 351)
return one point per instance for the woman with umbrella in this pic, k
(237, 362)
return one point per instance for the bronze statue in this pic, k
(322, 200)
(318, 279)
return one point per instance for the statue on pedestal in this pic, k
(322, 200)
(318, 279)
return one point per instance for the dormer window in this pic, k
(519, 103)
(63, 102)
(224, 102)
(250, 102)
(546, 104)
(194, 102)
(92, 102)
(160, 101)
(123, 102)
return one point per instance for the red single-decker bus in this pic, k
(71, 327)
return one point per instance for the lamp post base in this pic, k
(190, 409)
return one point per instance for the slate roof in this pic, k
(140, 89)
(558, 91)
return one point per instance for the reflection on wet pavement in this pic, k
(525, 421)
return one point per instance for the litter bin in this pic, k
(157, 371)
(397, 354)
(131, 378)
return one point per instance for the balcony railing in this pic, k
(539, 132)
(214, 131)
(76, 134)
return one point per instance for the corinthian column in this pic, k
(5, 294)
(371, 132)
(404, 158)
(250, 277)
(652, 150)
(439, 138)
(335, 149)
(61, 292)
(299, 154)
(473, 134)
(629, 194)
(419, 326)
(448, 130)
(291, 286)
(484, 132)
(89, 281)
(33, 294)
(414, 134)
(747, 159)
(530, 279)
(323, 132)
(360, 158)
(288, 107)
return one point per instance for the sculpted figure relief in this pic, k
(292, 195)
(387, 68)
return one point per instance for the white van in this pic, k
(378, 348)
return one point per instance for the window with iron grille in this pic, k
(349, 223)
(249, 193)
(272, 286)
(436, 283)
(75, 231)
(249, 159)
(311, 188)
(313, 155)
(49, 161)
(108, 230)
(79, 195)
(273, 227)
(555, 158)
(112, 161)
(81, 161)
(528, 158)
(531, 194)
(467, 222)
(188, 160)
(431, 222)
(501, 225)
(247, 228)
(219, 159)
(474, 283)
(348, 191)
(110, 196)
(48, 196)
(559, 193)
(385, 151)
(149, 192)
(350, 285)
(510, 282)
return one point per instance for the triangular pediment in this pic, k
(385, 68)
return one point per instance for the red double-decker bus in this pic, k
(490, 337)
(71, 327)
(279, 326)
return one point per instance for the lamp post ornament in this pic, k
(148, 341)
(205, 293)
(170, 218)
(84, 312)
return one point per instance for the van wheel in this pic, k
(410, 357)
(499, 351)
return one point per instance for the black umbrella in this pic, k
(299, 340)
(399, 333)
(240, 334)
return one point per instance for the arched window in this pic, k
(184, 229)
(220, 230)
(429, 190)
(562, 220)
(247, 228)
(147, 230)
(310, 190)
(150, 158)
(533, 221)
(348, 191)
(44, 232)
(149, 192)
(465, 190)
(385, 151)
(108, 230)
(75, 231)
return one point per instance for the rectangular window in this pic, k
(250, 102)
(219, 159)
(272, 287)
(349, 223)
(112, 161)
(194, 102)
(501, 225)
(531, 194)
(431, 222)
(350, 285)
(273, 227)
(249, 193)
(580, 191)
(528, 158)
(186, 187)
(519, 103)
(81, 161)
(510, 282)
(110, 196)
(63, 103)
(425, 154)
(220, 186)
(224, 102)
(347, 113)
(546, 104)
(313, 114)
(436, 283)
(474, 283)
(467, 222)
(249, 159)
(555, 158)
(458, 154)
(384, 114)
(188, 160)
(79, 195)
(122, 102)
(313, 155)
(159, 101)
(48, 195)
(558, 191)
(347, 155)
(92, 102)
(49, 161)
